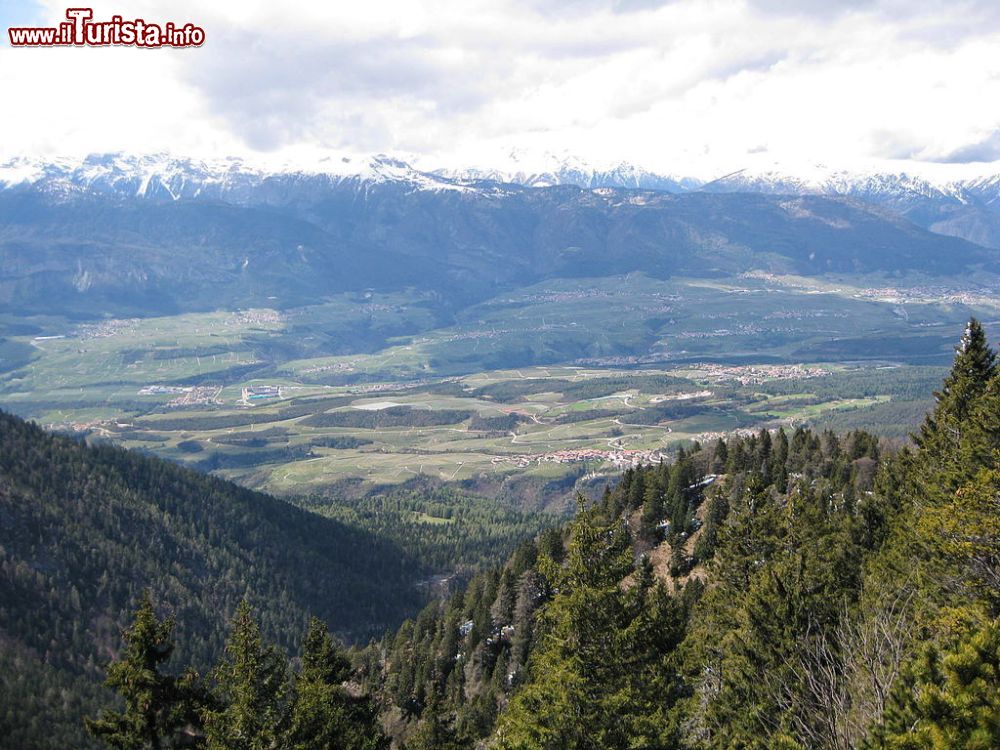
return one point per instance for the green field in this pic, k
(547, 386)
(564, 422)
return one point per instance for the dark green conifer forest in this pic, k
(85, 531)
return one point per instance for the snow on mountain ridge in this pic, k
(878, 180)
(163, 176)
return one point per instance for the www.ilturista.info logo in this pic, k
(82, 31)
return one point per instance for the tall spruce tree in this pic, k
(160, 709)
(596, 680)
(252, 687)
(437, 728)
(972, 370)
(981, 440)
(326, 716)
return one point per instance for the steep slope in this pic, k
(677, 518)
(83, 530)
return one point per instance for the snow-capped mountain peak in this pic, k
(898, 187)
(167, 177)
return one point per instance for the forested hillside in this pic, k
(451, 531)
(768, 591)
(84, 530)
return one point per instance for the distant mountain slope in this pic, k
(959, 201)
(84, 529)
(105, 240)
(968, 208)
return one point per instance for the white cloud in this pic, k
(674, 85)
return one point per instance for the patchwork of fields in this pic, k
(373, 387)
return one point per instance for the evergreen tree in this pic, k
(715, 516)
(779, 462)
(948, 698)
(981, 440)
(596, 679)
(326, 716)
(436, 730)
(652, 511)
(251, 685)
(965, 532)
(160, 710)
(972, 370)
(720, 455)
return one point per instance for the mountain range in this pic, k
(122, 235)
(960, 203)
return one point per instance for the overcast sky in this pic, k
(674, 86)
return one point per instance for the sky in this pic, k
(693, 87)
